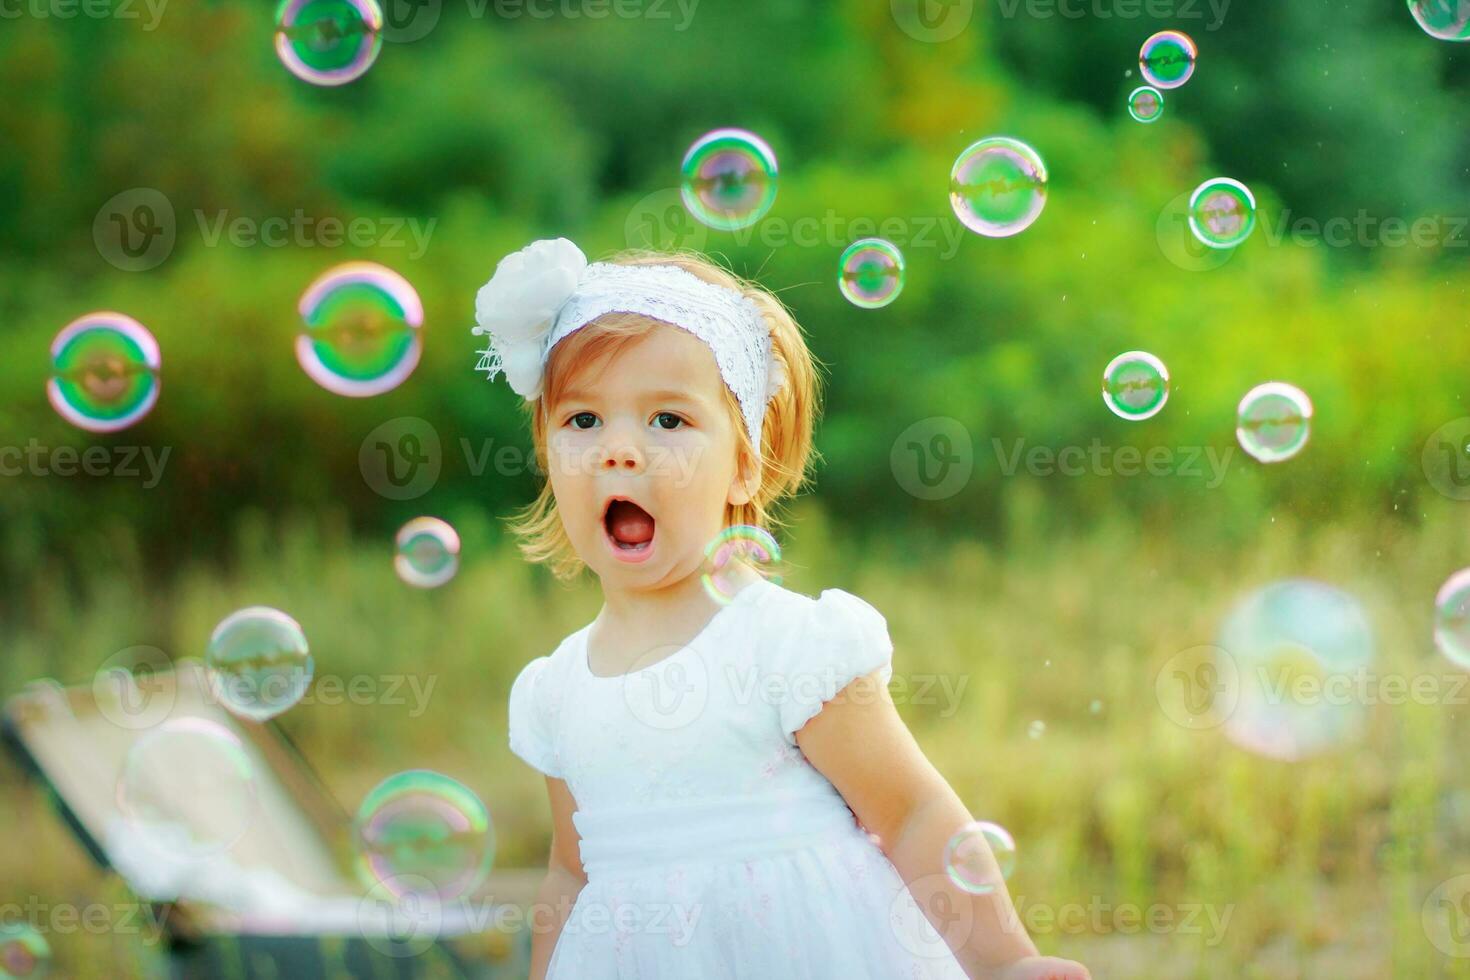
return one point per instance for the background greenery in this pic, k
(503, 128)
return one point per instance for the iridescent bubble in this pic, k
(328, 42)
(870, 273)
(729, 179)
(1299, 649)
(1146, 104)
(998, 187)
(1447, 20)
(24, 952)
(1222, 212)
(187, 788)
(1273, 421)
(1135, 385)
(1452, 618)
(423, 833)
(1036, 729)
(740, 547)
(259, 663)
(968, 857)
(428, 552)
(104, 372)
(361, 333)
(1167, 59)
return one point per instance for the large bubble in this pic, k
(969, 853)
(328, 42)
(998, 186)
(729, 179)
(870, 273)
(423, 833)
(361, 330)
(1135, 385)
(427, 552)
(1273, 421)
(1222, 212)
(188, 789)
(259, 663)
(1447, 20)
(735, 548)
(104, 372)
(1167, 59)
(1299, 650)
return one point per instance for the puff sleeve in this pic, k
(532, 715)
(838, 639)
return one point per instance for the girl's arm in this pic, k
(563, 882)
(859, 742)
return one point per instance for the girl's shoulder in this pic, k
(835, 622)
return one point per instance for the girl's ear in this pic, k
(746, 482)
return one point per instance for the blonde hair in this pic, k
(786, 452)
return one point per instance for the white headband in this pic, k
(547, 291)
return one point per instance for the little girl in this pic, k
(733, 794)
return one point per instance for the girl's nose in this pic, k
(623, 455)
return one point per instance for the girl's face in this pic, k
(641, 454)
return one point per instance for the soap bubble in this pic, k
(729, 179)
(870, 273)
(1036, 729)
(328, 42)
(1222, 212)
(187, 788)
(1273, 421)
(740, 546)
(259, 663)
(1135, 385)
(998, 186)
(1167, 59)
(1297, 646)
(1452, 618)
(428, 552)
(422, 833)
(1146, 104)
(1447, 20)
(966, 861)
(24, 952)
(361, 332)
(104, 372)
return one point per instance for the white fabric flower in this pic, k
(775, 377)
(518, 307)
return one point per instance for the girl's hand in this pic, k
(1044, 968)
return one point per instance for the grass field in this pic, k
(1145, 849)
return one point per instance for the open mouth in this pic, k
(629, 529)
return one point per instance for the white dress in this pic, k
(713, 848)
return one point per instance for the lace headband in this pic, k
(547, 291)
